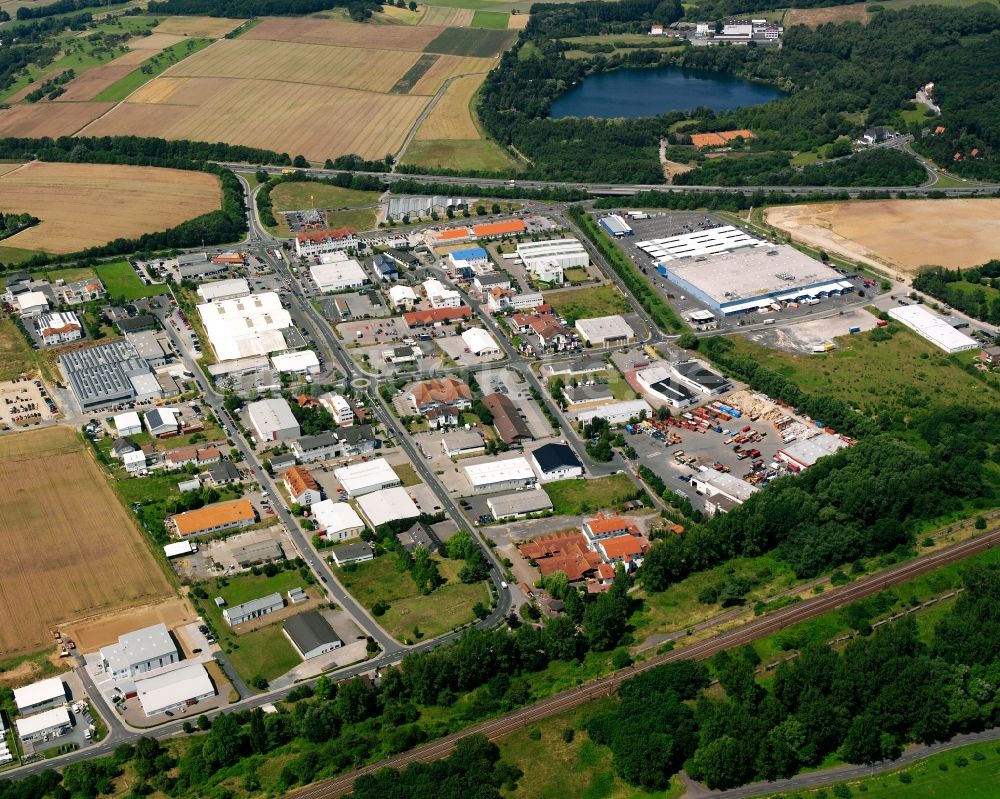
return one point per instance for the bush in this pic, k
(568, 735)
(380, 608)
(906, 778)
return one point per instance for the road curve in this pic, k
(738, 636)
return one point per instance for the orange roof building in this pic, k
(213, 518)
(565, 552)
(433, 315)
(302, 486)
(608, 526)
(623, 548)
(509, 227)
(719, 138)
(446, 392)
(454, 234)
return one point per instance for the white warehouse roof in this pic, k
(302, 361)
(269, 416)
(224, 289)
(478, 341)
(388, 505)
(616, 412)
(337, 275)
(169, 688)
(365, 477)
(933, 328)
(604, 328)
(334, 518)
(39, 692)
(178, 548)
(127, 421)
(240, 328)
(533, 250)
(492, 472)
(700, 242)
(31, 725)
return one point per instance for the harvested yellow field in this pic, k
(317, 121)
(344, 34)
(392, 15)
(448, 66)
(451, 118)
(199, 27)
(350, 67)
(83, 205)
(5, 168)
(48, 119)
(903, 234)
(517, 22)
(134, 57)
(448, 17)
(155, 42)
(70, 550)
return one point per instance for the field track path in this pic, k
(165, 72)
(426, 113)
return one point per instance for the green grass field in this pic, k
(477, 42)
(15, 255)
(587, 303)
(266, 652)
(156, 65)
(407, 474)
(495, 20)
(345, 207)
(969, 772)
(554, 769)
(244, 587)
(470, 154)
(575, 497)
(903, 374)
(120, 280)
(434, 614)
(16, 356)
(576, 275)
(70, 274)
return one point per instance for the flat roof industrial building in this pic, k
(519, 504)
(174, 688)
(273, 420)
(616, 412)
(804, 453)
(41, 694)
(605, 331)
(699, 243)
(364, 478)
(245, 326)
(387, 505)
(752, 279)
(339, 275)
(934, 328)
(108, 374)
(495, 475)
(51, 722)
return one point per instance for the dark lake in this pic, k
(648, 92)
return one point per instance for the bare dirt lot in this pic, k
(91, 634)
(83, 205)
(70, 550)
(903, 234)
(820, 16)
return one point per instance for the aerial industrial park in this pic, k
(421, 431)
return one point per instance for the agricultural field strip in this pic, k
(77, 542)
(451, 117)
(124, 201)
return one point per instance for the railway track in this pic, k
(604, 686)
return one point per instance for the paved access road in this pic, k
(738, 636)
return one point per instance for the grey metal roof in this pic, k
(261, 603)
(310, 630)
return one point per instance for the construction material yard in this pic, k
(71, 550)
(83, 205)
(904, 235)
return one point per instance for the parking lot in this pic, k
(216, 557)
(307, 219)
(25, 402)
(344, 307)
(431, 358)
(379, 331)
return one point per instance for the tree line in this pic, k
(975, 291)
(62, 7)
(359, 10)
(864, 703)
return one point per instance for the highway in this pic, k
(604, 189)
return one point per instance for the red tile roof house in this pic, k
(446, 392)
(627, 549)
(603, 526)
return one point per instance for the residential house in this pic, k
(445, 392)
(602, 527)
(340, 409)
(302, 486)
(385, 268)
(224, 473)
